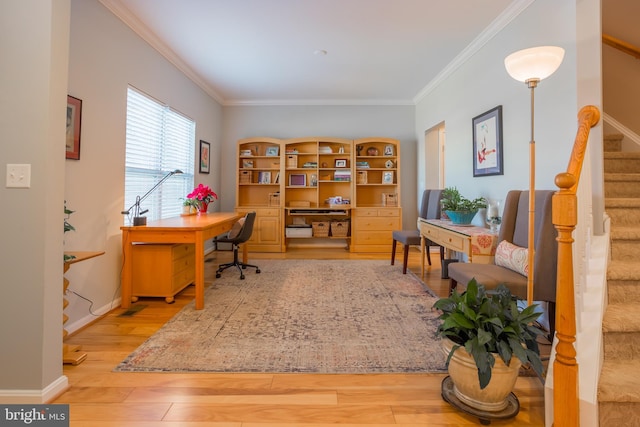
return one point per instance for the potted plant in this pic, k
(67, 227)
(189, 206)
(458, 208)
(203, 195)
(486, 332)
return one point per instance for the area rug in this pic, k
(322, 316)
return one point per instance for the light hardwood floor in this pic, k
(99, 397)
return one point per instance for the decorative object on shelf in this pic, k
(387, 177)
(372, 151)
(247, 163)
(246, 153)
(494, 214)
(68, 227)
(487, 143)
(389, 164)
(341, 163)
(74, 118)
(474, 343)
(388, 150)
(389, 199)
(460, 210)
(189, 206)
(205, 160)
(359, 149)
(264, 177)
(203, 195)
(272, 151)
(314, 180)
(137, 218)
(530, 66)
(297, 180)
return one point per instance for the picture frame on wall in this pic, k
(74, 120)
(487, 143)
(205, 157)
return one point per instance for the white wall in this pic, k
(349, 122)
(482, 83)
(106, 57)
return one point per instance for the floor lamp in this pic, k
(530, 66)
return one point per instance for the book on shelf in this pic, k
(362, 165)
(342, 175)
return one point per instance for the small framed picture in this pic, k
(247, 163)
(388, 150)
(264, 178)
(74, 117)
(298, 180)
(272, 151)
(205, 151)
(387, 177)
(341, 163)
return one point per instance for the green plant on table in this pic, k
(452, 200)
(488, 323)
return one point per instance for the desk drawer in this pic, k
(453, 241)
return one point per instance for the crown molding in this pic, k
(509, 14)
(124, 14)
(320, 102)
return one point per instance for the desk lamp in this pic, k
(142, 220)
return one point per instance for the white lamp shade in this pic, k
(534, 63)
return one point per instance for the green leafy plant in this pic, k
(452, 200)
(489, 323)
(68, 227)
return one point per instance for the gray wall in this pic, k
(33, 83)
(483, 83)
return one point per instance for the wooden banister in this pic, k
(565, 217)
(621, 45)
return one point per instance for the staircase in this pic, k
(619, 386)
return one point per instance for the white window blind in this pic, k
(159, 141)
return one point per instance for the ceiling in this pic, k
(377, 52)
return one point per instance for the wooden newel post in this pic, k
(565, 366)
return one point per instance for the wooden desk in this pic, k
(183, 229)
(71, 353)
(478, 243)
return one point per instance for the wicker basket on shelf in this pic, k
(339, 228)
(320, 229)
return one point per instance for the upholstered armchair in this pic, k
(508, 268)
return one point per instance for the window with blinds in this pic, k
(159, 141)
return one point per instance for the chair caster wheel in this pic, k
(218, 275)
(257, 270)
(242, 277)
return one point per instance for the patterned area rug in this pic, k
(323, 316)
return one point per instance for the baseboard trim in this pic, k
(53, 390)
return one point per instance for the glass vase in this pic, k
(494, 215)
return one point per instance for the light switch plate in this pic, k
(18, 176)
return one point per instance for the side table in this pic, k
(71, 354)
